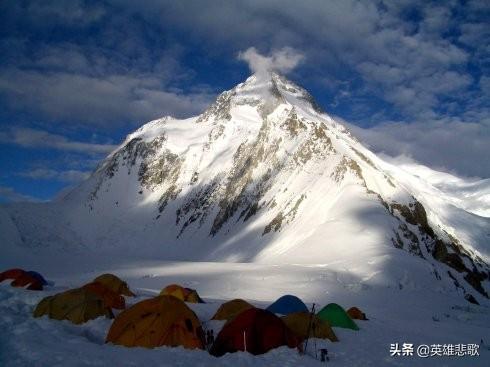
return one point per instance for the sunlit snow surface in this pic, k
(472, 195)
(402, 312)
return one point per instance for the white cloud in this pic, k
(414, 64)
(453, 146)
(400, 60)
(283, 60)
(113, 99)
(32, 138)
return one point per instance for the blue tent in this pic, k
(38, 276)
(287, 304)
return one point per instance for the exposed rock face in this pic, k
(414, 214)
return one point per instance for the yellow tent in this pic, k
(111, 299)
(163, 320)
(299, 322)
(230, 309)
(76, 305)
(192, 296)
(174, 290)
(115, 284)
(184, 294)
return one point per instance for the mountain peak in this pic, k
(278, 86)
(263, 92)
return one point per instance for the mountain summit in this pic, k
(263, 175)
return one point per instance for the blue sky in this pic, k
(410, 78)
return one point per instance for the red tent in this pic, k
(256, 331)
(27, 279)
(22, 278)
(11, 274)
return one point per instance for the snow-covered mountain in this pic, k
(263, 175)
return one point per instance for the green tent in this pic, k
(337, 316)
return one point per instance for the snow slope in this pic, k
(472, 195)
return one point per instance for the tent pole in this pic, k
(312, 312)
(244, 341)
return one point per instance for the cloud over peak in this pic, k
(282, 61)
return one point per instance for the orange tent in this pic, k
(356, 313)
(163, 320)
(111, 299)
(174, 290)
(115, 284)
(230, 309)
(306, 325)
(184, 294)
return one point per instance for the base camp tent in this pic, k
(336, 316)
(287, 304)
(111, 299)
(11, 274)
(184, 294)
(76, 305)
(356, 314)
(25, 279)
(21, 278)
(163, 320)
(255, 331)
(115, 284)
(38, 276)
(305, 325)
(230, 309)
